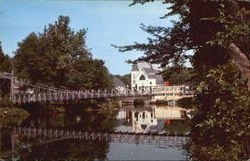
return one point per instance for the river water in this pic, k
(164, 120)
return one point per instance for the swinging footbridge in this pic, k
(42, 93)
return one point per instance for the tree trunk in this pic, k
(241, 61)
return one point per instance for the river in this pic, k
(164, 120)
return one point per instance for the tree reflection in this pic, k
(74, 117)
(67, 150)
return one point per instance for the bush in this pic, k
(12, 115)
(138, 102)
(223, 117)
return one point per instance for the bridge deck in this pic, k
(55, 94)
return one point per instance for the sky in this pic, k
(107, 22)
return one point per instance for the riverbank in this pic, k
(61, 107)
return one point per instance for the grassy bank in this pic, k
(12, 115)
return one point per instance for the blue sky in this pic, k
(107, 22)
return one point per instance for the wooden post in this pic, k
(61, 96)
(12, 86)
(79, 95)
(92, 93)
(67, 95)
(73, 95)
(55, 96)
(98, 94)
(50, 96)
(105, 93)
(112, 93)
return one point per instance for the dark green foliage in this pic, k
(59, 57)
(66, 150)
(208, 28)
(5, 102)
(12, 116)
(138, 102)
(126, 79)
(200, 30)
(187, 102)
(178, 75)
(223, 116)
(178, 127)
(4, 88)
(5, 61)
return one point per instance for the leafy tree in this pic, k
(222, 119)
(217, 32)
(206, 27)
(126, 79)
(178, 75)
(59, 57)
(5, 61)
(5, 66)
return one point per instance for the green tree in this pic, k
(178, 75)
(217, 32)
(126, 79)
(5, 61)
(59, 57)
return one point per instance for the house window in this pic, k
(142, 77)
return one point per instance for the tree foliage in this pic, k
(210, 29)
(205, 27)
(221, 125)
(59, 57)
(5, 61)
(126, 79)
(178, 75)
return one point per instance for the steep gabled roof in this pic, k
(135, 68)
(148, 70)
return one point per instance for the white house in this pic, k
(145, 76)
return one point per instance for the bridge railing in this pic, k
(181, 90)
(67, 95)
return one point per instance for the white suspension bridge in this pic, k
(51, 94)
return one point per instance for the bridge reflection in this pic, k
(53, 135)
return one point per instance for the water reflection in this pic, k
(74, 118)
(154, 119)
